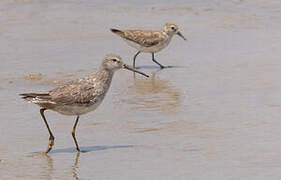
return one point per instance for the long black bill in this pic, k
(179, 33)
(134, 70)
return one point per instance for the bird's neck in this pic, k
(104, 74)
(170, 35)
(100, 80)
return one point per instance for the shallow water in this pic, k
(214, 115)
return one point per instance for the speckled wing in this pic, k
(71, 93)
(75, 92)
(144, 38)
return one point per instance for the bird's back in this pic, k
(145, 38)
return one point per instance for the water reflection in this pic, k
(47, 168)
(85, 149)
(50, 166)
(75, 167)
(153, 94)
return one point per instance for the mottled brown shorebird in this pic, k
(79, 96)
(149, 41)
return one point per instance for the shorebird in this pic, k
(149, 41)
(79, 96)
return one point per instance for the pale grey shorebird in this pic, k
(79, 96)
(149, 41)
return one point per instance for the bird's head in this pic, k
(172, 29)
(114, 62)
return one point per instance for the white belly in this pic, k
(72, 110)
(152, 49)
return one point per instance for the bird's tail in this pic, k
(117, 31)
(35, 97)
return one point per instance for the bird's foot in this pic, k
(50, 145)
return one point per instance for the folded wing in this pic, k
(141, 37)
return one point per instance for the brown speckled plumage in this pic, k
(149, 41)
(145, 38)
(81, 92)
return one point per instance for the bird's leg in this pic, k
(73, 133)
(135, 56)
(153, 59)
(51, 138)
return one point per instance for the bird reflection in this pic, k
(75, 167)
(153, 94)
(49, 166)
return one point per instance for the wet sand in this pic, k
(214, 115)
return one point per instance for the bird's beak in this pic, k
(134, 70)
(179, 33)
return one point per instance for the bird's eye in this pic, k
(173, 28)
(114, 60)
